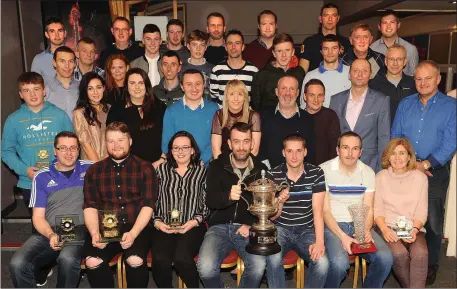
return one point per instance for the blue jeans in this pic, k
(299, 238)
(380, 261)
(36, 253)
(219, 241)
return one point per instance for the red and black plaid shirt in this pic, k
(126, 187)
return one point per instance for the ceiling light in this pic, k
(453, 2)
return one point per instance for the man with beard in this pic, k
(57, 193)
(282, 120)
(149, 62)
(265, 81)
(126, 184)
(310, 56)
(331, 71)
(259, 51)
(175, 35)
(229, 220)
(364, 111)
(63, 89)
(348, 182)
(55, 32)
(233, 68)
(215, 25)
(388, 26)
(428, 120)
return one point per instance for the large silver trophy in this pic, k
(359, 213)
(263, 235)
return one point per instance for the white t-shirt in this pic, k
(153, 73)
(345, 190)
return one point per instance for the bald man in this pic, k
(364, 111)
(428, 120)
(285, 119)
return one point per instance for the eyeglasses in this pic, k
(184, 149)
(393, 60)
(117, 30)
(65, 149)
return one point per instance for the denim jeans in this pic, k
(380, 261)
(219, 241)
(299, 238)
(36, 253)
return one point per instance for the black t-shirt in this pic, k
(67, 173)
(216, 54)
(132, 52)
(311, 49)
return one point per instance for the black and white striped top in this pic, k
(184, 193)
(222, 73)
(298, 209)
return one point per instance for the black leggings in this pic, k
(178, 251)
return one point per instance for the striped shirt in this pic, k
(298, 209)
(184, 193)
(222, 73)
(345, 190)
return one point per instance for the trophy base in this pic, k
(263, 242)
(111, 236)
(175, 226)
(110, 240)
(363, 248)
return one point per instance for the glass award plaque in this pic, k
(109, 226)
(70, 230)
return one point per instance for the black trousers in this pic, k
(178, 251)
(437, 190)
(102, 277)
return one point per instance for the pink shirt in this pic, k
(353, 109)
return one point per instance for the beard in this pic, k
(241, 155)
(120, 156)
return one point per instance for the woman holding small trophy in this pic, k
(400, 212)
(179, 213)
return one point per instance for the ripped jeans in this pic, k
(101, 276)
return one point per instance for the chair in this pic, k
(116, 260)
(291, 259)
(230, 261)
(354, 259)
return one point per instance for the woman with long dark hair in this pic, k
(179, 213)
(89, 117)
(143, 113)
(116, 68)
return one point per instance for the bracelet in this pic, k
(50, 235)
(418, 230)
(164, 158)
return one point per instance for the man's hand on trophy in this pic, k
(368, 237)
(284, 195)
(54, 242)
(235, 193)
(96, 241)
(316, 251)
(243, 231)
(389, 235)
(127, 240)
(347, 241)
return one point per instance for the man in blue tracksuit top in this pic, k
(192, 113)
(28, 133)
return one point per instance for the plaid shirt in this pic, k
(78, 75)
(378, 66)
(126, 187)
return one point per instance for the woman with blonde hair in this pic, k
(401, 190)
(235, 108)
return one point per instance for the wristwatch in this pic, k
(426, 166)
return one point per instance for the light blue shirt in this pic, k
(63, 98)
(430, 129)
(42, 64)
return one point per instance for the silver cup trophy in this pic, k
(359, 214)
(403, 227)
(263, 234)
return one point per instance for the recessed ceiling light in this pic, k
(453, 2)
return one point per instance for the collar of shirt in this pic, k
(431, 99)
(335, 165)
(77, 72)
(237, 170)
(48, 50)
(123, 163)
(55, 173)
(339, 69)
(202, 103)
(208, 45)
(263, 44)
(188, 61)
(362, 98)
(58, 82)
(296, 111)
(397, 40)
(128, 46)
(149, 59)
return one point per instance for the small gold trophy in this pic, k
(175, 224)
(109, 227)
(42, 155)
(68, 230)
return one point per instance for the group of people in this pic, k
(164, 134)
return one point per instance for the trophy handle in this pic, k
(283, 185)
(242, 185)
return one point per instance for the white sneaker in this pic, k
(46, 281)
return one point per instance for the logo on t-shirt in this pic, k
(81, 176)
(52, 184)
(41, 126)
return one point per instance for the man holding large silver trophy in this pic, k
(348, 212)
(119, 196)
(231, 225)
(57, 199)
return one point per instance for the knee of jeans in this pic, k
(134, 261)
(255, 264)
(68, 260)
(207, 267)
(321, 265)
(339, 262)
(93, 262)
(19, 264)
(385, 258)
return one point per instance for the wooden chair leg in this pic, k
(119, 273)
(356, 272)
(180, 285)
(364, 269)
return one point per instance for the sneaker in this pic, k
(46, 280)
(431, 274)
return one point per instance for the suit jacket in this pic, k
(373, 124)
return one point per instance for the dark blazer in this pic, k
(373, 124)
